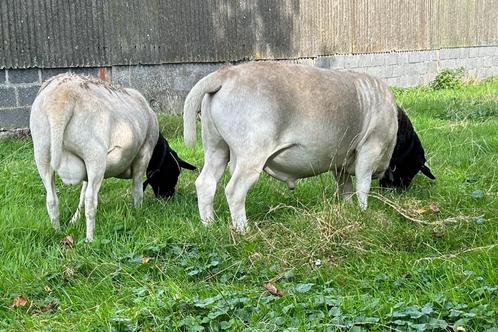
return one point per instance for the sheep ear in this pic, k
(427, 172)
(186, 165)
(146, 183)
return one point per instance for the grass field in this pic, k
(158, 268)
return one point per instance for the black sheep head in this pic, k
(164, 168)
(408, 157)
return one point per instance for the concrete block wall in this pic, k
(166, 86)
(18, 89)
(409, 69)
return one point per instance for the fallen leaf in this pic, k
(434, 208)
(68, 241)
(145, 260)
(49, 307)
(272, 289)
(47, 289)
(19, 301)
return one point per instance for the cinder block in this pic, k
(337, 62)
(495, 60)
(16, 76)
(387, 71)
(351, 61)
(364, 60)
(493, 71)
(403, 57)
(484, 72)
(487, 61)
(50, 72)
(429, 77)
(397, 70)
(473, 52)
(121, 75)
(27, 95)
(450, 63)
(14, 118)
(404, 81)
(391, 59)
(448, 53)
(378, 59)
(464, 53)
(485, 51)
(7, 97)
(392, 81)
(414, 57)
(472, 73)
(323, 62)
(165, 86)
(431, 67)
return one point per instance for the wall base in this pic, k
(166, 86)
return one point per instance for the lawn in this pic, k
(336, 267)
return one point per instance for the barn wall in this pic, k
(90, 33)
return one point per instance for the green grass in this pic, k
(339, 268)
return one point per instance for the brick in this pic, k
(14, 118)
(2, 76)
(27, 95)
(16, 76)
(47, 73)
(7, 97)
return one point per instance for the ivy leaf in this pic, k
(303, 288)
(477, 194)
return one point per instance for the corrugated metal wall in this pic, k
(61, 33)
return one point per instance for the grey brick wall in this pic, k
(165, 86)
(18, 89)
